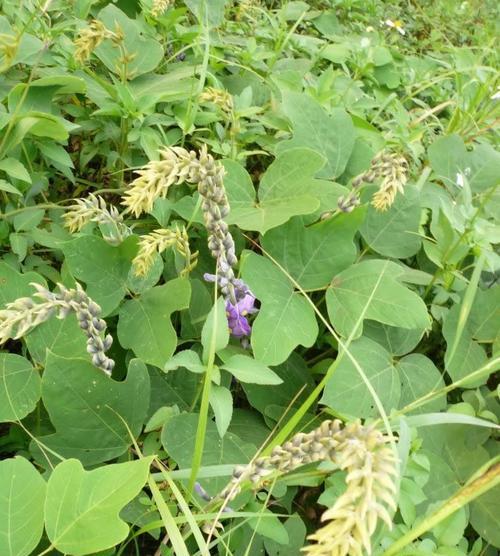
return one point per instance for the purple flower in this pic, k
(237, 315)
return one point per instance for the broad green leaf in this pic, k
(249, 425)
(20, 387)
(484, 516)
(145, 325)
(484, 164)
(447, 156)
(82, 507)
(297, 531)
(38, 94)
(459, 445)
(331, 135)
(267, 524)
(450, 531)
(371, 290)
(313, 255)
(221, 402)
(215, 329)
(178, 437)
(210, 12)
(88, 409)
(14, 284)
(177, 387)
(60, 336)
(394, 233)
(285, 319)
(468, 356)
(419, 376)
(297, 383)
(286, 189)
(26, 221)
(447, 248)
(442, 483)
(15, 169)
(397, 341)
(346, 391)
(9, 188)
(246, 369)
(22, 492)
(188, 359)
(102, 267)
(484, 317)
(151, 88)
(146, 53)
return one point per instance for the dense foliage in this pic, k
(249, 296)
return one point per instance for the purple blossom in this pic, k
(238, 312)
(237, 315)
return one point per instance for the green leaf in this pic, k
(221, 402)
(15, 169)
(297, 383)
(209, 11)
(14, 284)
(484, 317)
(442, 483)
(285, 318)
(346, 391)
(145, 51)
(297, 531)
(331, 135)
(419, 376)
(313, 255)
(145, 325)
(447, 156)
(286, 189)
(20, 387)
(60, 336)
(394, 233)
(246, 369)
(484, 516)
(188, 359)
(177, 84)
(87, 408)
(82, 507)
(397, 341)
(468, 355)
(370, 290)
(103, 267)
(9, 188)
(267, 524)
(26, 221)
(22, 492)
(178, 438)
(216, 319)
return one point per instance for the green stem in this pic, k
(205, 402)
(485, 482)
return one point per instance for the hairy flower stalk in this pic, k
(91, 37)
(219, 97)
(360, 450)
(158, 241)
(94, 209)
(159, 7)
(392, 168)
(22, 315)
(154, 179)
(177, 165)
